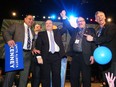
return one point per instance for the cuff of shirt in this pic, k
(64, 18)
(38, 57)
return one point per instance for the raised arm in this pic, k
(66, 24)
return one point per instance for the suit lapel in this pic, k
(46, 39)
(55, 36)
(22, 29)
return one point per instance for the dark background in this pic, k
(85, 8)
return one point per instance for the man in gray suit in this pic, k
(20, 33)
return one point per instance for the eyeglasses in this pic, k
(81, 21)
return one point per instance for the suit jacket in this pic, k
(42, 42)
(87, 47)
(15, 32)
(108, 39)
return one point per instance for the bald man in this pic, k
(51, 48)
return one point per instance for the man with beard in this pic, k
(81, 51)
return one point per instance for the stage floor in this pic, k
(67, 84)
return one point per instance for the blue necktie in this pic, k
(52, 43)
(28, 40)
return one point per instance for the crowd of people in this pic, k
(43, 51)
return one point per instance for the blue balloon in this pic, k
(102, 55)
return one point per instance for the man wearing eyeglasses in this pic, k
(81, 52)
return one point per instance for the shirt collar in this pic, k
(26, 26)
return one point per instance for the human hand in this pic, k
(91, 60)
(110, 79)
(11, 43)
(63, 14)
(35, 51)
(88, 37)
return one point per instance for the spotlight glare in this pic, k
(72, 21)
(33, 16)
(53, 16)
(14, 14)
(87, 18)
(109, 20)
(49, 17)
(44, 17)
(91, 20)
(59, 18)
(71, 17)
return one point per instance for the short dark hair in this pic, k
(38, 24)
(28, 15)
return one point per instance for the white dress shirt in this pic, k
(26, 37)
(57, 49)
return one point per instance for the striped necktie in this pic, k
(99, 32)
(28, 40)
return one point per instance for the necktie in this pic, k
(52, 43)
(28, 40)
(99, 32)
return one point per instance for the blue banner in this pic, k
(14, 57)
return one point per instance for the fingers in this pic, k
(38, 52)
(110, 77)
(88, 37)
(85, 35)
(63, 13)
(106, 76)
(91, 60)
(32, 52)
(114, 78)
(11, 43)
(35, 51)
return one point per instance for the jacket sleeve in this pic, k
(93, 45)
(38, 43)
(66, 25)
(8, 33)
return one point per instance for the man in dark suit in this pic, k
(81, 52)
(35, 66)
(20, 33)
(106, 36)
(51, 48)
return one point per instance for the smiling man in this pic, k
(20, 33)
(106, 36)
(51, 48)
(81, 51)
